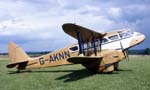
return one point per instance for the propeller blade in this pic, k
(126, 55)
(125, 52)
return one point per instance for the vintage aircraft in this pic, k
(96, 51)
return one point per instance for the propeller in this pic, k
(126, 55)
(125, 52)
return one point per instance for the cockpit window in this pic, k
(74, 48)
(104, 40)
(114, 37)
(125, 34)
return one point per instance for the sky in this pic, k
(36, 25)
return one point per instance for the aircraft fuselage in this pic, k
(117, 40)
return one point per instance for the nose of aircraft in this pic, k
(137, 40)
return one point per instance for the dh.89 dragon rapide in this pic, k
(98, 52)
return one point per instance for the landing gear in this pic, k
(92, 66)
(18, 71)
(29, 70)
(116, 65)
(108, 72)
(96, 68)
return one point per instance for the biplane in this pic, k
(98, 52)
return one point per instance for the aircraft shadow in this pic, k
(72, 75)
(42, 71)
(80, 74)
(124, 70)
(76, 75)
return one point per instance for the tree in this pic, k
(147, 51)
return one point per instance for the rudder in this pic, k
(16, 53)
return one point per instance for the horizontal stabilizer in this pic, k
(15, 64)
(79, 60)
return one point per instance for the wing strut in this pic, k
(79, 42)
(100, 44)
(95, 50)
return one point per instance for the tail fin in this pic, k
(16, 54)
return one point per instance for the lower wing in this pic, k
(83, 59)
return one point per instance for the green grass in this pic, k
(133, 75)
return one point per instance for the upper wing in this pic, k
(86, 34)
(82, 59)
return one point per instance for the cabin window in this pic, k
(85, 46)
(90, 44)
(114, 37)
(126, 34)
(97, 42)
(74, 48)
(104, 40)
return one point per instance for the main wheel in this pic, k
(116, 65)
(18, 71)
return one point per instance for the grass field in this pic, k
(133, 75)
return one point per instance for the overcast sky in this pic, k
(36, 25)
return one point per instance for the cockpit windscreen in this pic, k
(125, 34)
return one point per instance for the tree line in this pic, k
(145, 51)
